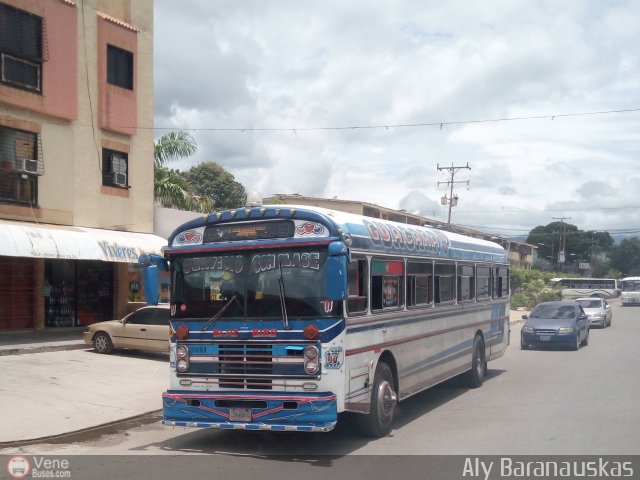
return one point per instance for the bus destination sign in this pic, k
(249, 231)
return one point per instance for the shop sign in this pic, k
(118, 253)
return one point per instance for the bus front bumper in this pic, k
(250, 411)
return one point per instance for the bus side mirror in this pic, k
(150, 280)
(336, 271)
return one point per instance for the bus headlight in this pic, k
(311, 363)
(182, 365)
(311, 366)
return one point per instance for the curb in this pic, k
(25, 350)
(100, 429)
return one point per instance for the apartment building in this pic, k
(76, 159)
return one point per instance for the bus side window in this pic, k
(466, 283)
(501, 282)
(445, 277)
(358, 287)
(419, 284)
(483, 283)
(387, 289)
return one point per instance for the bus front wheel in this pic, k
(379, 421)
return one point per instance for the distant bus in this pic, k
(630, 291)
(586, 287)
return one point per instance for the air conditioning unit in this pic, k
(27, 165)
(120, 179)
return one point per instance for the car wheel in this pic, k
(576, 345)
(476, 375)
(523, 346)
(585, 342)
(379, 421)
(102, 343)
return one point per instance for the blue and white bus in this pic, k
(283, 317)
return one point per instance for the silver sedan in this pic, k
(598, 311)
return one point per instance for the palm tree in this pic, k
(173, 146)
(168, 186)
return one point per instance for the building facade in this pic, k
(520, 254)
(76, 159)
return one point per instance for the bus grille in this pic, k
(246, 361)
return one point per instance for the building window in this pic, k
(115, 168)
(20, 48)
(19, 167)
(119, 67)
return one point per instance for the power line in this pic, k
(440, 124)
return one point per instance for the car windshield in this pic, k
(589, 303)
(553, 311)
(252, 285)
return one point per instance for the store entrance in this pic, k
(77, 292)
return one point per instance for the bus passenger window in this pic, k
(419, 284)
(501, 280)
(483, 283)
(466, 283)
(386, 284)
(445, 275)
(358, 276)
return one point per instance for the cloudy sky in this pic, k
(363, 100)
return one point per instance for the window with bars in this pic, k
(119, 67)
(20, 48)
(19, 166)
(115, 168)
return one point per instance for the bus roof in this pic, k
(315, 224)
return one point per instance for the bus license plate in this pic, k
(240, 414)
(545, 338)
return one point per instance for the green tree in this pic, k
(579, 245)
(170, 187)
(626, 257)
(210, 180)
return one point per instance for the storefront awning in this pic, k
(37, 240)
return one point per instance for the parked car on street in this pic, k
(555, 324)
(145, 329)
(597, 309)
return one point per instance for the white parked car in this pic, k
(145, 329)
(597, 309)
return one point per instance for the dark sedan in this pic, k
(555, 324)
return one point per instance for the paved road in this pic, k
(534, 402)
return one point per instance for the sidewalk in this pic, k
(68, 387)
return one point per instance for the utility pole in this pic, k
(561, 253)
(452, 201)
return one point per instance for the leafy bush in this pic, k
(530, 287)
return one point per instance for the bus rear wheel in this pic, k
(476, 375)
(379, 421)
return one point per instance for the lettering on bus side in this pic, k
(406, 238)
(269, 261)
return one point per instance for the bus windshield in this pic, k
(256, 285)
(631, 285)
